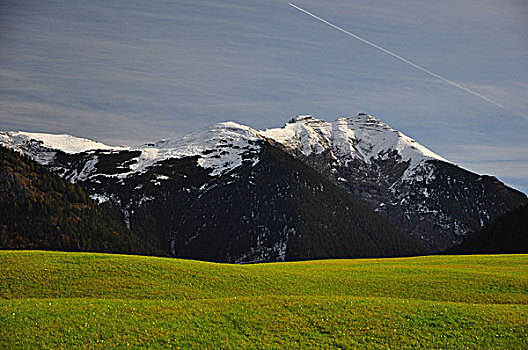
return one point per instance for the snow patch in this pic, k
(88, 169)
(65, 143)
(100, 198)
(145, 199)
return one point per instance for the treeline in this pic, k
(40, 210)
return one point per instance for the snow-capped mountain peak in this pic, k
(42, 147)
(303, 133)
(224, 146)
(220, 147)
(362, 137)
(63, 142)
(208, 136)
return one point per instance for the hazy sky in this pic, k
(128, 72)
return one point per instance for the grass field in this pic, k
(79, 300)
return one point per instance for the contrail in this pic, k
(450, 82)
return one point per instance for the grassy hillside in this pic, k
(53, 300)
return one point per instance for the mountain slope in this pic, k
(507, 234)
(423, 194)
(192, 195)
(280, 209)
(39, 210)
(237, 199)
(259, 211)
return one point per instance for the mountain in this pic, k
(307, 190)
(39, 210)
(507, 234)
(431, 199)
(223, 193)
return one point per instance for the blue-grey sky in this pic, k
(128, 72)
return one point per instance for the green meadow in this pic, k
(53, 300)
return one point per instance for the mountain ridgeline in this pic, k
(312, 189)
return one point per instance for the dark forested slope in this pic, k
(40, 210)
(280, 209)
(507, 234)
